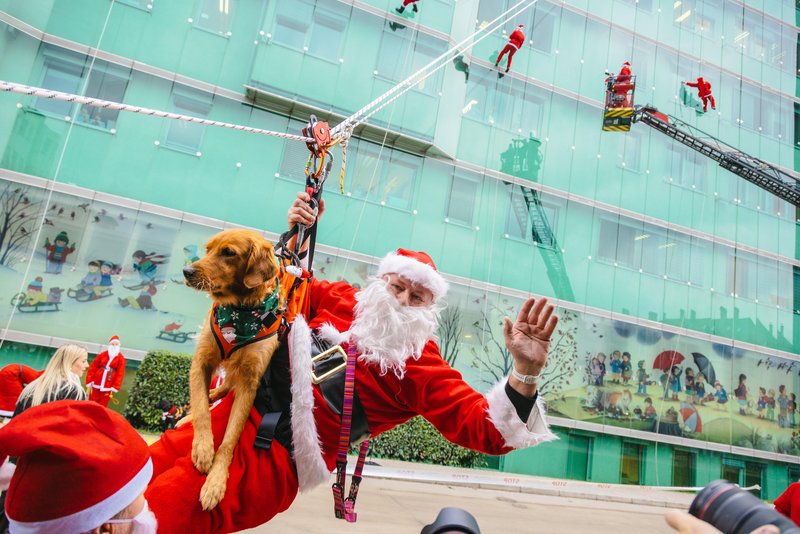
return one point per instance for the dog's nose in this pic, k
(189, 272)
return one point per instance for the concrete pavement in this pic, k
(401, 498)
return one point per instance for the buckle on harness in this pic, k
(332, 352)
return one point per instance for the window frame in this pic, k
(200, 11)
(477, 181)
(204, 103)
(306, 23)
(68, 63)
(385, 163)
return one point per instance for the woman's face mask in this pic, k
(143, 523)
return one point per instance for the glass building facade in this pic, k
(664, 265)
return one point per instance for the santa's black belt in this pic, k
(274, 396)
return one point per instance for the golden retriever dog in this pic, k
(239, 271)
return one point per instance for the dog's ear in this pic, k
(261, 264)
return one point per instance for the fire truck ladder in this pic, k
(765, 175)
(529, 206)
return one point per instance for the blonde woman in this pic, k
(61, 379)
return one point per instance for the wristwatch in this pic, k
(525, 379)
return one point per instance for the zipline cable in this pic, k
(11, 87)
(409, 82)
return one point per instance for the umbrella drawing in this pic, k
(691, 419)
(667, 359)
(705, 367)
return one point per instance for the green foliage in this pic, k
(162, 375)
(418, 441)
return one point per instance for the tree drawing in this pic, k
(562, 360)
(18, 223)
(496, 361)
(449, 333)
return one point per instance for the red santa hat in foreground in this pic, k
(417, 267)
(79, 464)
(113, 339)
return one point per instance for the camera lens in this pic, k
(735, 511)
(453, 521)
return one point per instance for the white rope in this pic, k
(96, 102)
(409, 82)
(442, 65)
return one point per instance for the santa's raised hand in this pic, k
(528, 341)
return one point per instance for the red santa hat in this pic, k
(627, 64)
(417, 267)
(77, 445)
(521, 26)
(113, 338)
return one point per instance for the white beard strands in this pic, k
(113, 350)
(388, 333)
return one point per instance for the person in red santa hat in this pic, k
(619, 85)
(515, 41)
(704, 92)
(13, 379)
(106, 373)
(388, 329)
(80, 468)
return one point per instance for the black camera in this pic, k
(735, 511)
(453, 521)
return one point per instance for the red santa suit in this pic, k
(106, 372)
(13, 379)
(621, 86)
(515, 42)
(262, 483)
(704, 92)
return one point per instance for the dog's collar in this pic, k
(248, 321)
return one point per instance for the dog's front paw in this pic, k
(202, 453)
(214, 487)
(217, 393)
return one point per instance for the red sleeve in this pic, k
(119, 375)
(783, 504)
(438, 393)
(691, 84)
(92, 370)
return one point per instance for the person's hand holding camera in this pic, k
(685, 523)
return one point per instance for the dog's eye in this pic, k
(228, 252)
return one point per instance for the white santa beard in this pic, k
(113, 350)
(388, 333)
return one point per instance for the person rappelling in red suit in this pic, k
(515, 41)
(405, 5)
(704, 92)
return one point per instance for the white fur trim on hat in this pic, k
(311, 468)
(415, 271)
(95, 515)
(516, 433)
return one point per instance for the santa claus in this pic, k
(292, 437)
(515, 42)
(106, 373)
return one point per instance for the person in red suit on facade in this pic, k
(106, 372)
(13, 379)
(515, 41)
(704, 92)
(405, 4)
(389, 328)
